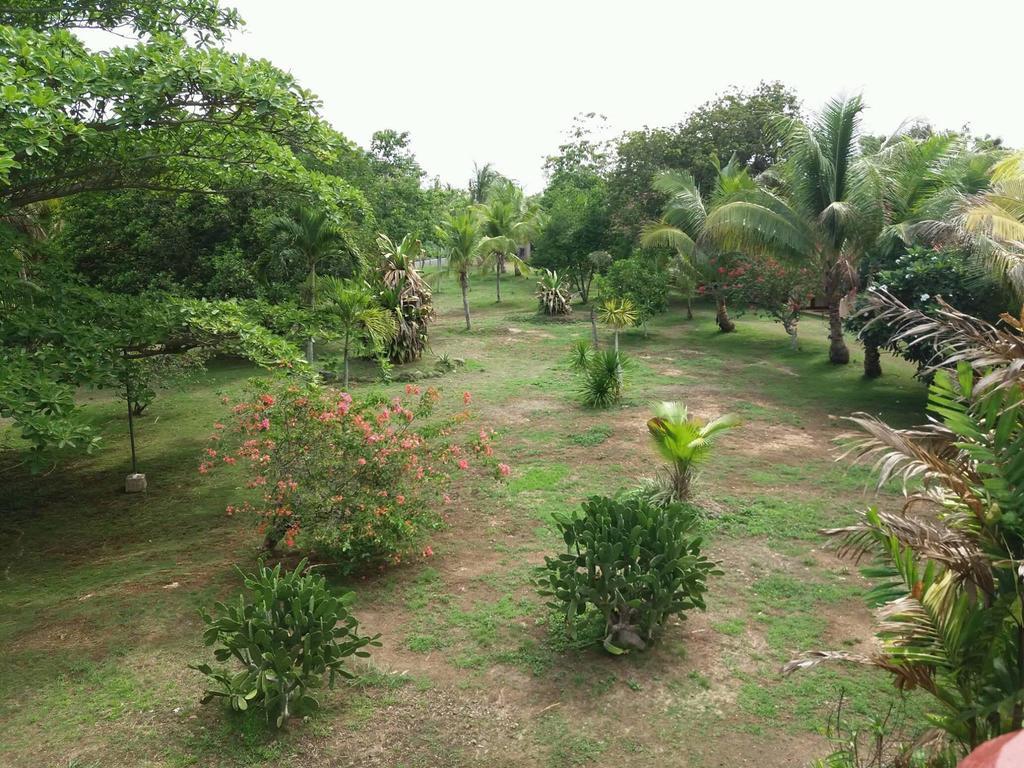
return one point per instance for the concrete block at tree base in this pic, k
(135, 483)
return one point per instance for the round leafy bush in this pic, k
(634, 562)
(287, 636)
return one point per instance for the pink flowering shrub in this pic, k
(767, 286)
(358, 483)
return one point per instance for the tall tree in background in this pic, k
(826, 214)
(484, 178)
(734, 123)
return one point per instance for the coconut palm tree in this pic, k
(312, 237)
(682, 224)
(465, 248)
(992, 221)
(928, 183)
(484, 177)
(826, 212)
(352, 304)
(508, 221)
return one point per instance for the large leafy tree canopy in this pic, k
(169, 111)
(733, 123)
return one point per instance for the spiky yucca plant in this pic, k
(553, 295)
(604, 379)
(684, 441)
(950, 601)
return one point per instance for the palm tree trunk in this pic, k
(616, 342)
(499, 264)
(872, 361)
(464, 283)
(593, 325)
(725, 323)
(838, 352)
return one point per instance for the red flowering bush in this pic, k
(769, 287)
(358, 483)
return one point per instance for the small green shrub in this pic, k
(604, 379)
(684, 441)
(593, 436)
(633, 562)
(290, 634)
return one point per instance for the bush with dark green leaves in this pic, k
(633, 562)
(289, 633)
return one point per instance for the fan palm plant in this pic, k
(353, 307)
(618, 314)
(681, 227)
(826, 212)
(684, 441)
(311, 237)
(465, 248)
(950, 603)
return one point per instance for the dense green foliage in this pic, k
(288, 634)
(948, 597)
(918, 278)
(637, 281)
(634, 562)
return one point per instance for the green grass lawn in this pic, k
(102, 590)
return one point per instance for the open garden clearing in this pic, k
(102, 590)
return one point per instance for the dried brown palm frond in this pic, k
(906, 676)
(956, 336)
(927, 453)
(950, 547)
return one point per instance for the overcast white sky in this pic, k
(500, 82)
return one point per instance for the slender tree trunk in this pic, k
(725, 323)
(790, 325)
(689, 308)
(872, 361)
(616, 341)
(312, 302)
(464, 283)
(499, 263)
(593, 325)
(838, 352)
(346, 359)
